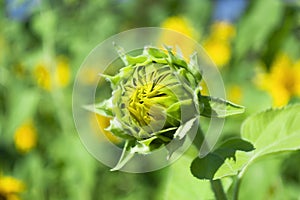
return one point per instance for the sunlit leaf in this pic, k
(271, 132)
(181, 184)
(206, 167)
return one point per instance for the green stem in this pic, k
(239, 178)
(236, 188)
(218, 190)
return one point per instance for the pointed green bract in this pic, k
(216, 107)
(156, 101)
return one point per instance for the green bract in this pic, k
(156, 99)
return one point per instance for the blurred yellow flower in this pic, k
(223, 31)
(219, 51)
(183, 26)
(42, 76)
(99, 123)
(235, 93)
(89, 76)
(59, 78)
(217, 45)
(283, 80)
(25, 137)
(62, 72)
(10, 187)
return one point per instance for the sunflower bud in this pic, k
(156, 99)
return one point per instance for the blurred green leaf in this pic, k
(182, 185)
(22, 105)
(253, 31)
(268, 187)
(45, 23)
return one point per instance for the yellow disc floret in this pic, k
(141, 101)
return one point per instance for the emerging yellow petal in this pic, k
(25, 137)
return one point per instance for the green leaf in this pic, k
(271, 132)
(216, 107)
(180, 183)
(206, 167)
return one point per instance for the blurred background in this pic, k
(254, 43)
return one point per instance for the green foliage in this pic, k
(180, 184)
(59, 167)
(271, 12)
(271, 132)
(207, 166)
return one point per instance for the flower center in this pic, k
(143, 100)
